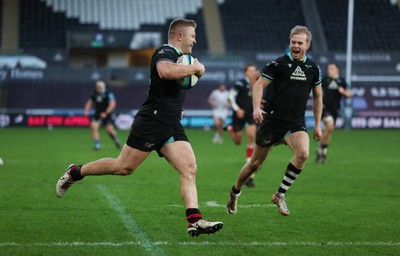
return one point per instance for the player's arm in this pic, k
(111, 106)
(257, 92)
(232, 101)
(317, 110)
(345, 92)
(168, 70)
(88, 106)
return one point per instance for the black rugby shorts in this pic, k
(330, 112)
(272, 131)
(104, 121)
(238, 124)
(148, 134)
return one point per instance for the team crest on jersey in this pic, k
(333, 85)
(290, 65)
(298, 74)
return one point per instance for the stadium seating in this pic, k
(254, 25)
(201, 44)
(45, 22)
(124, 14)
(376, 24)
(41, 27)
(259, 25)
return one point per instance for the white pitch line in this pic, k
(203, 243)
(215, 204)
(130, 223)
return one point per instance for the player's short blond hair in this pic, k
(101, 84)
(177, 24)
(301, 30)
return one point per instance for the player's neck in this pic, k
(175, 46)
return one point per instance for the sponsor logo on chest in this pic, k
(298, 74)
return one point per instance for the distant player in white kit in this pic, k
(219, 103)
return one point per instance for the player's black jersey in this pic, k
(101, 100)
(292, 82)
(243, 94)
(165, 97)
(332, 96)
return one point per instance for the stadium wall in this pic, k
(55, 92)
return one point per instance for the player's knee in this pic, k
(189, 172)
(126, 170)
(302, 156)
(192, 168)
(251, 139)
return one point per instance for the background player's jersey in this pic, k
(332, 96)
(243, 99)
(292, 82)
(165, 98)
(101, 100)
(220, 99)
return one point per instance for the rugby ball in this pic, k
(189, 81)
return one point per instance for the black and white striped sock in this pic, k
(290, 175)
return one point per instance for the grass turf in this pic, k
(349, 206)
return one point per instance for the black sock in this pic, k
(76, 173)
(193, 215)
(235, 190)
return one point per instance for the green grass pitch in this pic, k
(350, 206)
